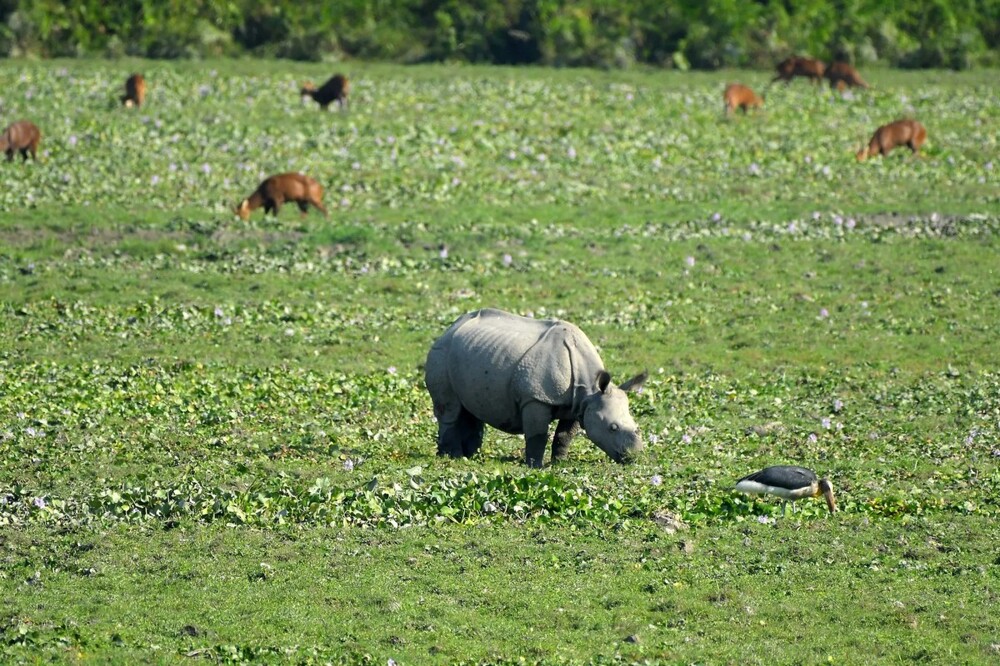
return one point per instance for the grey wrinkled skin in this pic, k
(518, 375)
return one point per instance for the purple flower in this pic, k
(754, 169)
(657, 480)
(763, 520)
(823, 313)
(838, 405)
(391, 369)
(218, 311)
(716, 217)
(444, 252)
(571, 153)
(689, 261)
(72, 139)
(813, 438)
(851, 223)
(686, 438)
(206, 168)
(155, 180)
(825, 423)
(39, 502)
(31, 432)
(507, 260)
(349, 465)
(653, 438)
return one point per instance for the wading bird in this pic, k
(789, 483)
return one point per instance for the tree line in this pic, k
(697, 34)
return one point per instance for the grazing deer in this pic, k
(899, 133)
(334, 90)
(841, 74)
(276, 190)
(794, 66)
(22, 136)
(135, 91)
(738, 96)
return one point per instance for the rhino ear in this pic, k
(603, 380)
(636, 382)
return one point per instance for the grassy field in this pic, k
(215, 444)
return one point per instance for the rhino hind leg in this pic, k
(462, 436)
(565, 431)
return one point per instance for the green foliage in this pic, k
(214, 438)
(704, 34)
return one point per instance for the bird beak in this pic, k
(830, 503)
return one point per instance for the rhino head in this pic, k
(607, 421)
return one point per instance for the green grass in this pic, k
(214, 439)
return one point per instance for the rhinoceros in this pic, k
(518, 375)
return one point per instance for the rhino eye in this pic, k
(614, 427)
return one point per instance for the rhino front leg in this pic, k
(565, 431)
(536, 418)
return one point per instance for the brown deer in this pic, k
(738, 96)
(899, 133)
(841, 74)
(135, 91)
(334, 90)
(794, 66)
(276, 190)
(22, 136)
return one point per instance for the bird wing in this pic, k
(783, 476)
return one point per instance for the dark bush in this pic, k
(704, 34)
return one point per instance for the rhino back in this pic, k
(497, 362)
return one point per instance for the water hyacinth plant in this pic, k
(229, 418)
